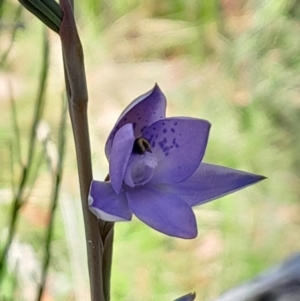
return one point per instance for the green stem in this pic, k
(48, 11)
(55, 192)
(18, 198)
(13, 36)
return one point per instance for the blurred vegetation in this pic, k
(235, 63)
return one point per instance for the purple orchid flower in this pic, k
(156, 169)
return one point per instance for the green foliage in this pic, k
(235, 66)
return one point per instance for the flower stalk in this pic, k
(78, 99)
(99, 235)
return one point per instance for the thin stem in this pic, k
(13, 36)
(99, 236)
(18, 197)
(55, 192)
(106, 230)
(78, 99)
(16, 127)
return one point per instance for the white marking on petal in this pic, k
(90, 200)
(105, 216)
(140, 169)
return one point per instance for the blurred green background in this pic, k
(235, 63)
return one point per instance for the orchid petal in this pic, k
(179, 145)
(210, 182)
(142, 112)
(106, 204)
(140, 169)
(165, 212)
(120, 154)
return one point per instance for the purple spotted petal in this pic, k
(120, 154)
(165, 212)
(179, 145)
(142, 112)
(210, 182)
(106, 204)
